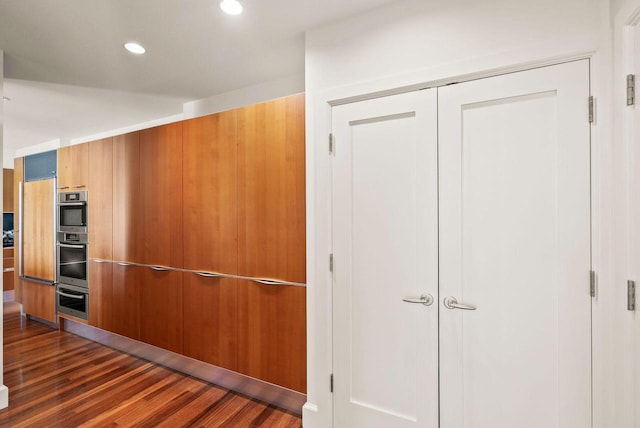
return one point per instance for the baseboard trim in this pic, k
(268, 392)
(4, 397)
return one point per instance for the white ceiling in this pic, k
(68, 75)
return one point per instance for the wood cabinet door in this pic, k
(271, 190)
(210, 320)
(100, 186)
(101, 297)
(39, 300)
(161, 308)
(7, 189)
(161, 195)
(39, 231)
(126, 197)
(18, 177)
(73, 168)
(272, 344)
(210, 193)
(125, 306)
(7, 268)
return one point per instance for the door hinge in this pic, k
(592, 283)
(631, 295)
(331, 382)
(631, 89)
(331, 143)
(331, 262)
(591, 109)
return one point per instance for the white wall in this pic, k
(4, 392)
(254, 94)
(437, 38)
(107, 121)
(39, 112)
(415, 43)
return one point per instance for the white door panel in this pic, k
(385, 249)
(515, 243)
(478, 191)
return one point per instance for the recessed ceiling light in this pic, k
(134, 48)
(232, 7)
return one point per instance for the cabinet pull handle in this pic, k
(69, 295)
(63, 187)
(77, 186)
(124, 264)
(159, 268)
(99, 261)
(209, 274)
(268, 281)
(72, 246)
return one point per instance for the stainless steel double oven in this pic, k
(72, 248)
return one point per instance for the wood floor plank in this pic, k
(57, 379)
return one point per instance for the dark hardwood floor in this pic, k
(58, 379)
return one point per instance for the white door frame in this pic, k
(318, 410)
(626, 25)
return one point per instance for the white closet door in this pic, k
(385, 249)
(515, 243)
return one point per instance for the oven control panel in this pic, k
(73, 238)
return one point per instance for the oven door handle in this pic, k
(72, 204)
(69, 295)
(80, 247)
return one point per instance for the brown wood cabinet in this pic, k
(209, 187)
(161, 308)
(7, 190)
(272, 333)
(100, 185)
(100, 221)
(18, 177)
(271, 190)
(271, 242)
(210, 320)
(101, 301)
(126, 197)
(221, 193)
(7, 269)
(39, 300)
(73, 168)
(125, 300)
(161, 196)
(39, 231)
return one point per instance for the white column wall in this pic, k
(4, 392)
(409, 44)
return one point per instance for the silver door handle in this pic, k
(452, 303)
(425, 299)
